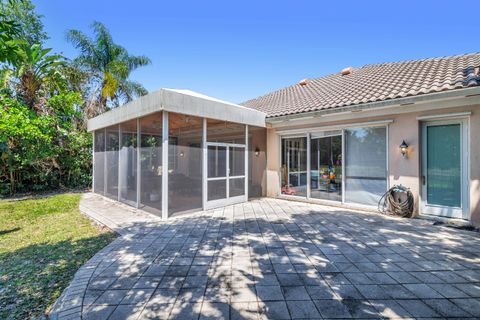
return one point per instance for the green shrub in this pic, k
(43, 151)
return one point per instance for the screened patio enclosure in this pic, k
(176, 151)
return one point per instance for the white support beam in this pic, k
(165, 165)
(105, 161)
(246, 163)
(139, 141)
(119, 193)
(93, 162)
(308, 165)
(204, 165)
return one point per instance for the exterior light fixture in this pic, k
(403, 148)
(181, 154)
(257, 151)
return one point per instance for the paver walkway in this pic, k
(277, 259)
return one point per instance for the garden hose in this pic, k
(391, 202)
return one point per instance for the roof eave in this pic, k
(178, 101)
(463, 92)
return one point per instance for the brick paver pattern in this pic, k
(277, 259)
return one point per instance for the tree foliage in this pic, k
(30, 25)
(45, 100)
(109, 66)
(43, 151)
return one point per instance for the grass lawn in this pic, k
(42, 243)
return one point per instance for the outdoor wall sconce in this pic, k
(257, 151)
(181, 154)
(403, 148)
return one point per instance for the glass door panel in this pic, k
(365, 165)
(326, 168)
(294, 166)
(444, 168)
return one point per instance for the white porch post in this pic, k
(165, 165)
(204, 165)
(119, 193)
(105, 161)
(139, 172)
(246, 162)
(309, 141)
(343, 166)
(93, 162)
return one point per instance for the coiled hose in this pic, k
(397, 201)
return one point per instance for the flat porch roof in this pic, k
(179, 101)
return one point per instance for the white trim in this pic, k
(286, 133)
(212, 204)
(453, 115)
(165, 165)
(225, 144)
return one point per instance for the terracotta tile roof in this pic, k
(373, 82)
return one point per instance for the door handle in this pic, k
(423, 180)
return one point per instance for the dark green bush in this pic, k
(43, 151)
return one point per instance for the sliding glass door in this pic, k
(294, 166)
(348, 165)
(365, 165)
(326, 166)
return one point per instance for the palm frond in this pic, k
(81, 42)
(129, 90)
(135, 62)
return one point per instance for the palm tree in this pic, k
(109, 65)
(35, 73)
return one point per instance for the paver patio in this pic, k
(275, 259)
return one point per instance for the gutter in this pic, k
(451, 94)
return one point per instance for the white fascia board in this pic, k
(194, 104)
(140, 107)
(179, 101)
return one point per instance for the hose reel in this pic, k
(397, 201)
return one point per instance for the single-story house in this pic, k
(342, 139)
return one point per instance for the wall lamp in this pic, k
(403, 148)
(257, 151)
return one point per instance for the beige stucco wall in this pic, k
(405, 171)
(273, 169)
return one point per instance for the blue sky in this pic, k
(239, 50)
